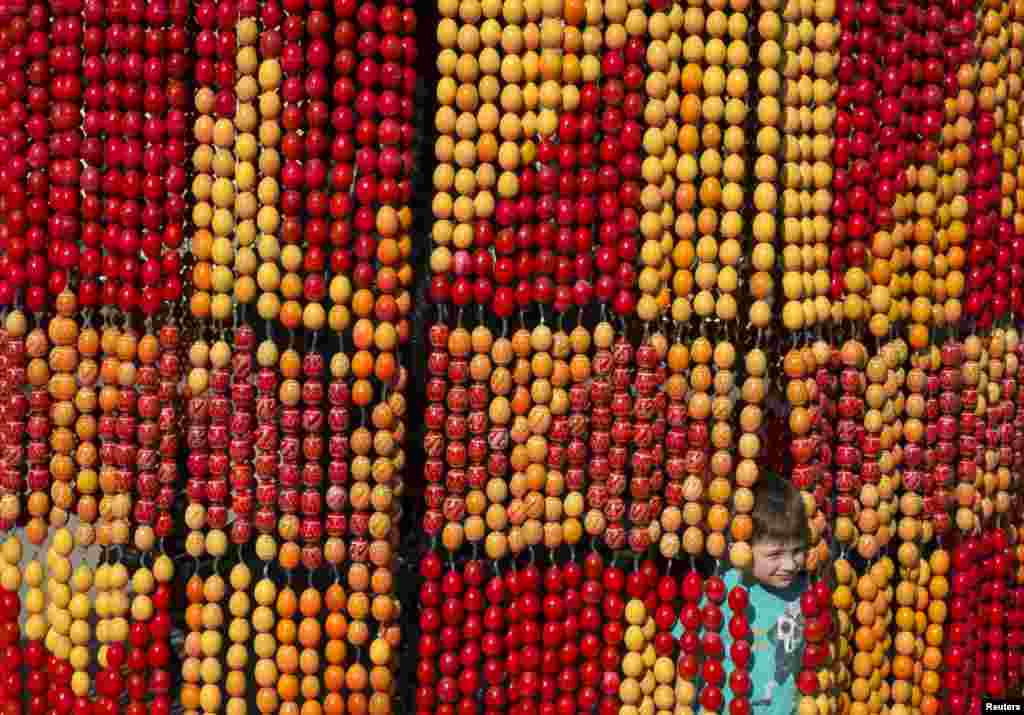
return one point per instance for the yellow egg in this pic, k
(80, 606)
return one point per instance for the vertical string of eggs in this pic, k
(675, 387)
(1009, 477)
(38, 129)
(966, 494)
(63, 359)
(197, 425)
(339, 417)
(311, 525)
(577, 449)
(289, 459)
(242, 431)
(245, 199)
(992, 39)
(293, 124)
(826, 62)
(127, 448)
(170, 413)
(268, 190)
(35, 629)
(849, 363)
(239, 632)
(203, 157)
(15, 189)
(699, 405)
(287, 654)
(433, 439)
(523, 506)
(64, 221)
(596, 520)
(480, 369)
(223, 192)
(111, 581)
(662, 106)
(908, 554)
(499, 416)
(12, 692)
(452, 204)
(15, 414)
(109, 404)
(38, 429)
(315, 168)
(765, 228)
(950, 245)
(751, 419)
(449, 442)
(218, 436)
(147, 431)
(264, 643)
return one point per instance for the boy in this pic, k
(774, 581)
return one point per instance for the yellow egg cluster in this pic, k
(245, 186)
(467, 118)
(661, 134)
(268, 191)
(59, 595)
(640, 682)
(808, 34)
(112, 604)
(213, 215)
(79, 633)
(265, 672)
(240, 632)
(35, 600)
(765, 227)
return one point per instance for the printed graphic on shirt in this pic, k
(786, 636)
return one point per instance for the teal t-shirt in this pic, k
(777, 636)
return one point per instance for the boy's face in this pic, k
(777, 563)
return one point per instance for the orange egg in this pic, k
(309, 602)
(194, 589)
(336, 625)
(386, 368)
(334, 678)
(309, 632)
(288, 687)
(356, 677)
(334, 703)
(362, 392)
(285, 630)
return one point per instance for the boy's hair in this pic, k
(778, 513)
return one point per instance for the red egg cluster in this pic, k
(982, 653)
(28, 271)
(242, 429)
(313, 418)
(819, 633)
(13, 415)
(12, 681)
